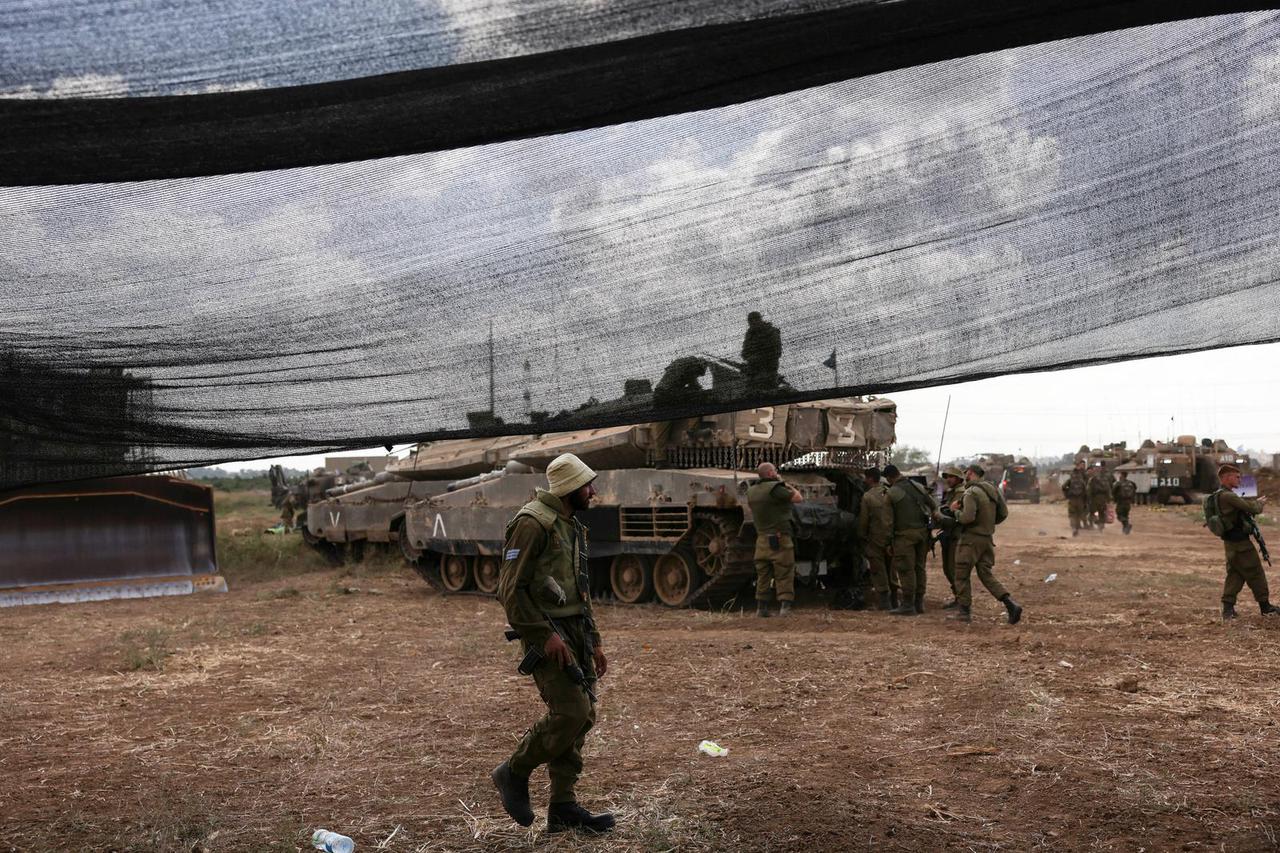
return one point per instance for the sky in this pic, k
(1231, 393)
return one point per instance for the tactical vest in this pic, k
(1126, 491)
(984, 520)
(562, 559)
(770, 513)
(1076, 487)
(909, 512)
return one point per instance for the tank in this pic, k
(670, 520)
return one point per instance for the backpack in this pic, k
(1002, 508)
(1212, 515)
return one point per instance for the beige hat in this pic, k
(566, 474)
(953, 472)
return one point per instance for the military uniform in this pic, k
(1123, 493)
(761, 351)
(1243, 563)
(1099, 495)
(543, 575)
(1076, 492)
(875, 529)
(913, 506)
(976, 547)
(950, 537)
(770, 502)
(287, 510)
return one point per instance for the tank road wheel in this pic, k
(411, 554)
(487, 569)
(676, 577)
(631, 578)
(710, 547)
(456, 574)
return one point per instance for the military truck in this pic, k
(1020, 481)
(670, 519)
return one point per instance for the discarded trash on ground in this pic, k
(710, 747)
(1053, 576)
(331, 842)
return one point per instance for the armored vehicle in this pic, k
(670, 519)
(1020, 481)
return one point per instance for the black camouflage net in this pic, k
(1109, 196)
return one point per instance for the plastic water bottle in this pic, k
(331, 842)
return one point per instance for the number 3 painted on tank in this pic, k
(764, 422)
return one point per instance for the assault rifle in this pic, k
(534, 656)
(1252, 526)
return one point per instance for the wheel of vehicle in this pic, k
(710, 542)
(487, 569)
(676, 577)
(631, 578)
(410, 553)
(456, 573)
(1162, 497)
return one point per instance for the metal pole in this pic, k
(937, 468)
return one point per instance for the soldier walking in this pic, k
(770, 500)
(1243, 566)
(976, 516)
(1099, 497)
(543, 586)
(761, 352)
(1123, 493)
(875, 529)
(287, 510)
(949, 538)
(1076, 492)
(913, 506)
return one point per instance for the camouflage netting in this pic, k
(208, 251)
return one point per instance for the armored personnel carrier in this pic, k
(1020, 481)
(670, 519)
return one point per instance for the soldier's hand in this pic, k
(557, 651)
(601, 662)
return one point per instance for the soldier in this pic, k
(913, 506)
(770, 500)
(1076, 492)
(1243, 565)
(1123, 493)
(976, 516)
(945, 519)
(1099, 497)
(543, 586)
(761, 351)
(287, 510)
(875, 529)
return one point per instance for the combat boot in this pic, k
(514, 791)
(784, 609)
(562, 816)
(893, 599)
(961, 615)
(886, 601)
(1075, 531)
(1228, 611)
(951, 605)
(762, 609)
(906, 608)
(919, 603)
(1015, 610)
(1267, 607)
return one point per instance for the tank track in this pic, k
(739, 561)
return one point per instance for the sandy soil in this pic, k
(1120, 715)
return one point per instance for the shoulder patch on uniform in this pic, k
(512, 554)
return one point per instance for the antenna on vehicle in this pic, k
(937, 468)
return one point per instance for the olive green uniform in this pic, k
(1099, 497)
(875, 529)
(1076, 492)
(287, 510)
(770, 502)
(950, 538)
(542, 576)
(1243, 564)
(1123, 493)
(913, 506)
(976, 549)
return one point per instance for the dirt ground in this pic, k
(1120, 715)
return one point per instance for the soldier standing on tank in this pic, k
(1123, 493)
(913, 506)
(1243, 565)
(543, 586)
(1099, 497)
(761, 352)
(770, 500)
(1076, 492)
(976, 516)
(949, 538)
(875, 529)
